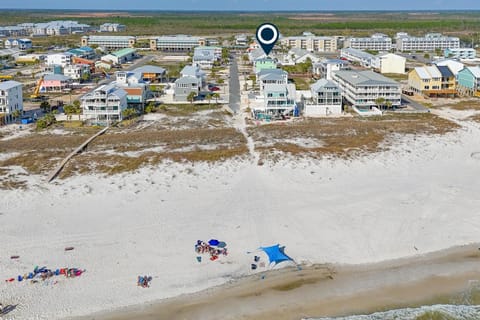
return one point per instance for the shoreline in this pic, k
(323, 290)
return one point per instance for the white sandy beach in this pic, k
(419, 197)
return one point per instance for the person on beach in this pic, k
(1, 308)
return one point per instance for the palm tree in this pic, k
(16, 114)
(388, 104)
(69, 110)
(216, 96)
(209, 97)
(380, 101)
(191, 96)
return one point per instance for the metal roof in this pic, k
(150, 69)
(322, 83)
(364, 78)
(6, 85)
(422, 73)
(433, 71)
(445, 71)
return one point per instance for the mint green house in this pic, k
(264, 63)
(469, 80)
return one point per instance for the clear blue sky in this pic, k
(243, 4)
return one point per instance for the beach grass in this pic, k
(470, 104)
(344, 137)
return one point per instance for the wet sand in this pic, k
(325, 290)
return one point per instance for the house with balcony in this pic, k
(264, 64)
(454, 65)
(279, 100)
(55, 83)
(325, 100)
(362, 88)
(469, 81)
(271, 76)
(184, 86)
(59, 59)
(104, 105)
(325, 67)
(297, 55)
(151, 73)
(11, 99)
(76, 71)
(137, 90)
(204, 57)
(432, 81)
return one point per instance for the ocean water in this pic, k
(436, 312)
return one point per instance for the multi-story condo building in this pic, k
(460, 53)
(110, 42)
(13, 31)
(430, 42)
(326, 99)
(361, 57)
(11, 99)
(176, 43)
(377, 42)
(311, 42)
(104, 105)
(112, 27)
(363, 88)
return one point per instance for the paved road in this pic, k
(234, 86)
(415, 105)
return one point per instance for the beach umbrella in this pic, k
(213, 242)
(221, 244)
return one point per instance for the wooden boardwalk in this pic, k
(59, 168)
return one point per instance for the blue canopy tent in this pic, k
(275, 254)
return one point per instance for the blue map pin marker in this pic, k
(267, 36)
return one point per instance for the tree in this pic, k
(245, 59)
(46, 121)
(191, 96)
(216, 96)
(209, 97)
(129, 113)
(16, 114)
(380, 101)
(69, 110)
(45, 106)
(85, 77)
(150, 107)
(388, 104)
